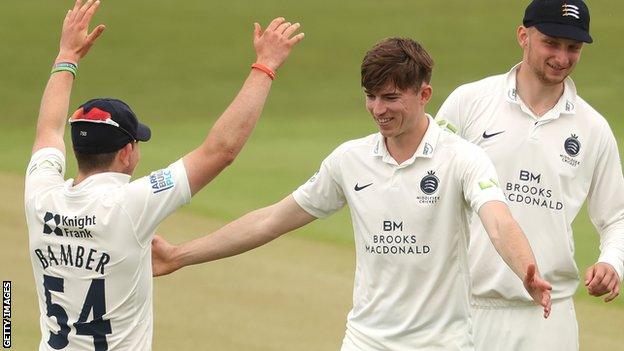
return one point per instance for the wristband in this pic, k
(265, 69)
(65, 67)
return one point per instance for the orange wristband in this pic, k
(264, 69)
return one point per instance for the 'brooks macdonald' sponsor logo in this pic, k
(68, 226)
(528, 191)
(394, 242)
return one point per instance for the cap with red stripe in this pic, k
(105, 125)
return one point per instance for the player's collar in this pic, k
(565, 106)
(425, 149)
(98, 179)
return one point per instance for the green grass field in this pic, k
(179, 64)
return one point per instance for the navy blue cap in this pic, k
(105, 125)
(567, 19)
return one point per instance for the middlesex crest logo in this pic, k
(570, 11)
(572, 147)
(429, 183)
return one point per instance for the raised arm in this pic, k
(230, 132)
(75, 44)
(248, 232)
(513, 246)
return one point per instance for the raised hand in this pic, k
(538, 288)
(601, 279)
(75, 37)
(162, 257)
(273, 45)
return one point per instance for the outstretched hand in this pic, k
(163, 255)
(75, 37)
(273, 45)
(601, 279)
(538, 288)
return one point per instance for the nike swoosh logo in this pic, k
(486, 135)
(358, 188)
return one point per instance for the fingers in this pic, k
(74, 11)
(275, 23)
(291, 29)
(67, 16)
(273, 45)
(257, 30)
(546, 300)
(282, 27)
(85, 10)
(546, 312)
(86, 19)
(91, 38)
(297, 38)
(614, 289)
(589, 274)
(599, 281)
(602, 279)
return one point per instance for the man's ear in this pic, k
(522, 35)
(426, 91)
(123, 155)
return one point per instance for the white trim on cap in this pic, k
(108, 121)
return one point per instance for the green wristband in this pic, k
(65, 67)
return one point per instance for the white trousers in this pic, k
(523, 328)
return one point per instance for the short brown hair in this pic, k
(402, 61)
(94, 162)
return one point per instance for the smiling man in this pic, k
(552, 151)
(89, 237)
(410, 189)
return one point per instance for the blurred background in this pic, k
(179, 64)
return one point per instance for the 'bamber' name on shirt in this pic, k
(72, 256)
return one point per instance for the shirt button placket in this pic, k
(394, 179)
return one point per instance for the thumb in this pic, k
(530, 274)
(156, 240)
(589, 274)
(95, 33)
(257, 30)
(544, 285)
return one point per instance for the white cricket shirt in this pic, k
(90, 247)
(548, 166)
(410, 223)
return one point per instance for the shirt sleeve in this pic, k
(322, 195)
(479, 181)
(606, 204)
(448, 116)
(45, 169)
(149, 200)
